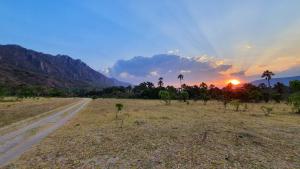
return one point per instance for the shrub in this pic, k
(236, 104)
(294, 100)
(184, 95)
(295, 85)
(267, 110)
(205, 98)
(119, 107)
(245, 107)
(165, 96)
(225, 103)
(277, 97)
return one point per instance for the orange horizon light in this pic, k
(234, 82)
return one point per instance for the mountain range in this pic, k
(21, 66)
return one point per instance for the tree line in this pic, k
(148, 90)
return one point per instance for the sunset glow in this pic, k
(234, 82)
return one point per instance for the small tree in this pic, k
(225, 102)
(165, 96)
(294, 100)
(245, 107)
(236, 104)
(295, 85)
(277, 97)
(268, 76)
(266, 110)
(184, 95)
(119, 107)
(160, 82)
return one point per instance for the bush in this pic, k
(294, 100)
(184, 95)
(277, 97)
(119, 107)
(236, 104)
(266, 110)
(165, 96)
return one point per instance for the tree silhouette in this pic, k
(268, 76)
(180, 77)
(203, 86)
(160, 82)
(279, 87)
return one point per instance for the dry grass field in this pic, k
(14, 111)
(154, 135)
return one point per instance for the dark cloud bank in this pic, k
(141, 68)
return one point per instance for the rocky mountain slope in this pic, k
(21, 66)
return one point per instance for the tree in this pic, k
(204, 92)
(119, 107)
(180, 77)
(203, 86)
(279, 87)
(268, 76)
(295, 85)
(184, 95)
(160, 82)
(3, 92)
(236, 104)
(165, 96)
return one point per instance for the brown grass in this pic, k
(14, 111)
(177, 136)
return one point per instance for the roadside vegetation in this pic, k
(14, 109)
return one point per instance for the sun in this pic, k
(234, 81)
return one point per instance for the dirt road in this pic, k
(14, 143)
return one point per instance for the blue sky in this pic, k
(249, 36)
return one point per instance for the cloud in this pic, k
(194, 69)
(173, 52)
(185, 71)
(240, 73)
(153, 73)
(125, 75)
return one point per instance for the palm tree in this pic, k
(268, 76)
(180, 77)
(160, 82)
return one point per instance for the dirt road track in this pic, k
(15, 143)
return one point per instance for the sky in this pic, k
(141, 40)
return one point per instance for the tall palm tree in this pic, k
(268, 76)
(180, 77)
(160, 82)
